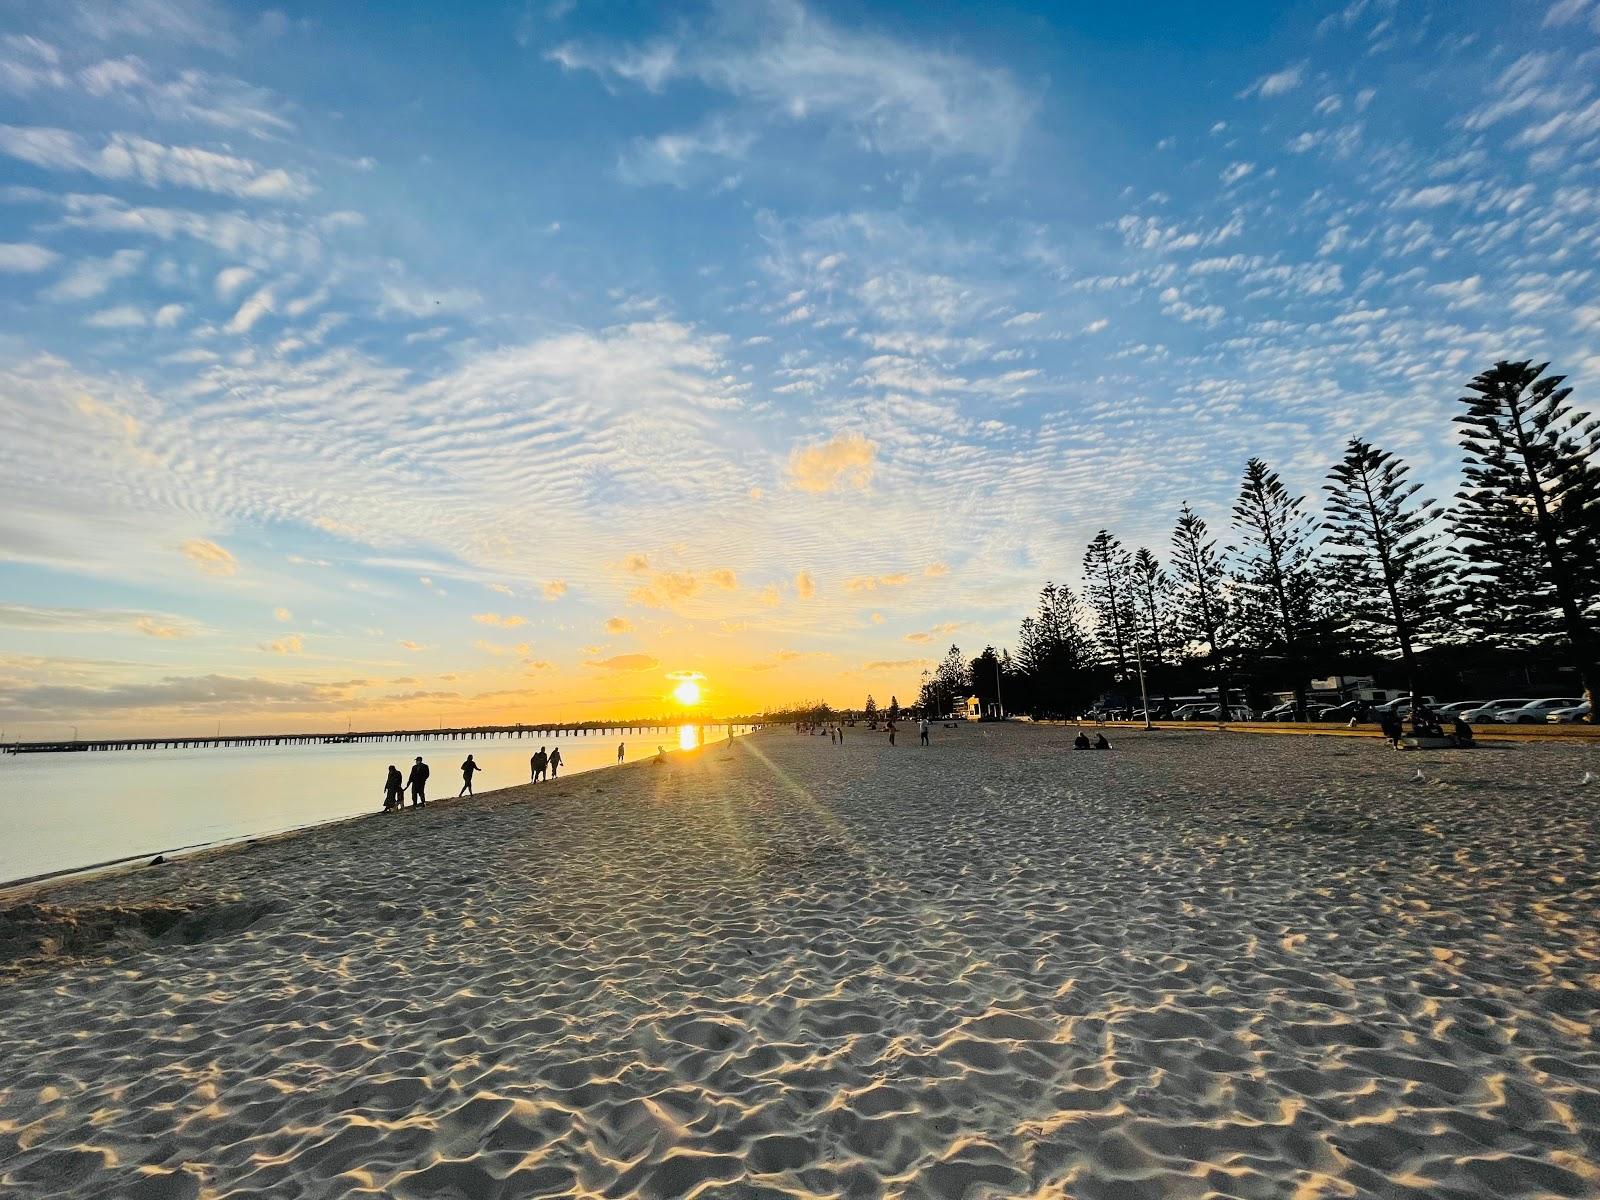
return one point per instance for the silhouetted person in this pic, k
(891, 735)
(468, 769)
(555, 762)
(922, 730)
(1393, 730)
(1424, 723)
(1081, 742)
(394, 789)
(1461, 733)
(1100, 742)
(418, 779)
(622, 749)
(538, 763)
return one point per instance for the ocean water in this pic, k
(62, 812)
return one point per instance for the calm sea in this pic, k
(61, 812)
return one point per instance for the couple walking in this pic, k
(542, 762)
(394, 786)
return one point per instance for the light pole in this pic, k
(999, 700)
(1138, 654)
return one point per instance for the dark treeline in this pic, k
(1502, 586)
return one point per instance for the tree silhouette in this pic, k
(1392, 572)
(1529, 513)
(870, 712)
(1200, 602)
(1109, 589)
(1277, 579)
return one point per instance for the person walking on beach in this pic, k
(555, 762)
(537, 764)
(922, 730)
(394, 787)
(622, 748)
(891, 733)
(468, 769)
(419, 783)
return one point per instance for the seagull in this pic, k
(1588, 777)
(1419, 777)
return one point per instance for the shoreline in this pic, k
(24, 889)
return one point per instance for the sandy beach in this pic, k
(1200, 965)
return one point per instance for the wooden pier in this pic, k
(465, 733)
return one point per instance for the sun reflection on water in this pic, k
(688, 737)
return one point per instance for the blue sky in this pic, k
(508, 360)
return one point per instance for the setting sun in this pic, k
(687, 693)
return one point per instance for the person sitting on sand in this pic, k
(538, 763)
(1424, 723)
(1461, 733)
(555, 762)
(419, 783)
(394, 786)
(468, 769)
(1100, 742)
(661, 755)
(1081, 742)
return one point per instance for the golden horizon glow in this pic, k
(687, 693)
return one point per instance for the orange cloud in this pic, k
(804, 586)
(489, 618)
(844, 461)
(209, 557)
(871, 583)
(619, 625)
(667, 588)
(935, 569)
(555, 589)
(286, 645)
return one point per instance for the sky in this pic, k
(406, 364)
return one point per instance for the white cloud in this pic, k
(252, 310)
(796, 66)
(128, 158)
(24, 258)
(123, 316)
(91, 277)
(1277, 83)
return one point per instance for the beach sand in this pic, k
(1200, 965)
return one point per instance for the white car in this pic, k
(1538, 710)
(1568, 716)
(1494, 710)
(1456, 706)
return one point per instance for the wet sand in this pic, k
(1199, 965)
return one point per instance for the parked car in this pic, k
(1456, 706)
(1343, 712)
(1534, 712)
(1282, 712)
(1494, 710)
(1401, 706)
(1569, 716)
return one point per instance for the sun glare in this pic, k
(687, 693)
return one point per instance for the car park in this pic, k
(1569, 716)
(1535, 711)
(1494, 710)
(1456, 706)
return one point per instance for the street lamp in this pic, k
(1138, 654)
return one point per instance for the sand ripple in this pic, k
(1195, 967)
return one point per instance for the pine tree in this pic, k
(1392, 572)
(1106, 581)
(1200, 602)
(870, 712)
(1053, 653)
(1278, 579)
(1529, 513)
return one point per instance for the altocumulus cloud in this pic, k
(180, 692)
(843, 461)
(209, 557)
